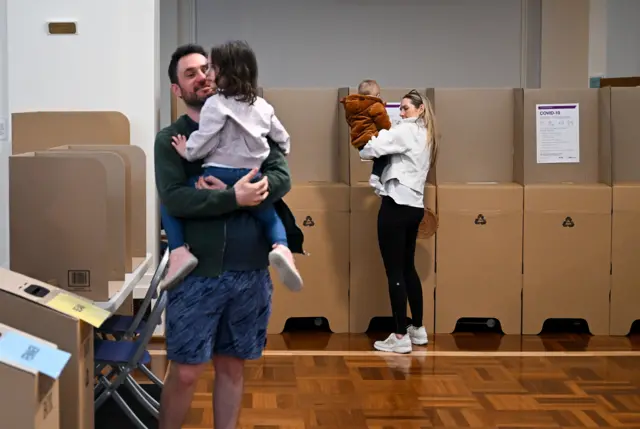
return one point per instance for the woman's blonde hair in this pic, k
(429, 118)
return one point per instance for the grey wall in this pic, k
(623, 38)
(402, 43)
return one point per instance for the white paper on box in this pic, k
(393, 110)
(558, 133)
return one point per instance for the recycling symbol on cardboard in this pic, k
(568, 222)
(480, 220)
(308, 221)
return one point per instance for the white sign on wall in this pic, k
(393, 110)
(558, 133)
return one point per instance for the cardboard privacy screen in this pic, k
(36, 131)
(70, 229)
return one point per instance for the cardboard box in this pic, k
(315, 153)
(369, 296)
(69, 230)
(57, 316)
(29, 399)
(625, 146)
(359, 170)
(479, 241)
(479, 254)
(322, 212)
(567, 220)
(37, 131)
(567, 241)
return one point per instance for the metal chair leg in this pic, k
(106, 393)
(150, 399)
(146, 371)
(128, 411)
(142, 398)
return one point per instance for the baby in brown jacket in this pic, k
(366, 116)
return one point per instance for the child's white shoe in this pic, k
(282, 260)
(181, 263)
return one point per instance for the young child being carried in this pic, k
(366, 116)
(232, 140)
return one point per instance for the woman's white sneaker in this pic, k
(393, 344)
(418, 335)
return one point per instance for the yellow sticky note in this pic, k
(79, 308)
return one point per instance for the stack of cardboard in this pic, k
(479, 241)
(623, 105)
(567, 211)
(65, 320)
(320, 202)
(537, 196)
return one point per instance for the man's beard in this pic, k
(192, 99)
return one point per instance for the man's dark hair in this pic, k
(236, 70)
(179, 53)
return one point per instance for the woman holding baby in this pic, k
(411, 148)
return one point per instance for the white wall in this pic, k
(112, 64)
(5, 145)
(333, 43)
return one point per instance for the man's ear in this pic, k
(176, 90)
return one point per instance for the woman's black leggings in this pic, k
(397, 234)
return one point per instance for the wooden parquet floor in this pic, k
(323, 381)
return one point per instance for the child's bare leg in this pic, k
(282, 260)
(181, 263)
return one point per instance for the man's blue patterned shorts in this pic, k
(225, 315)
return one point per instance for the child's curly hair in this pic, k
(236, 69)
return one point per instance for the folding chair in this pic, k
(128, 327)
(123, 357)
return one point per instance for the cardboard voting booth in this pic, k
(64, 319)
(566, 151)
(622, 105)
(135, 197)
(479, 207)
(29, 387)
(70, 229)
